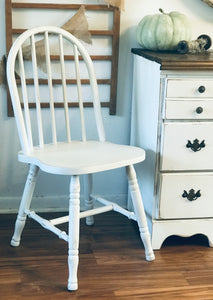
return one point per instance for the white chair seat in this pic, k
(77, 157)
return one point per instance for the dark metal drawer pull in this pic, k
(201, 89)
(195, 146)
(199, 110)
(191, 195)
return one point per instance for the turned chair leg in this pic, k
(87, 198)
(139, 212)
(73, 240)
(25, 204)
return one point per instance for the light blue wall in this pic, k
(13, 174)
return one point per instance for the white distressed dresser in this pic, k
(172, 119)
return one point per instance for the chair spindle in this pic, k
(64, 87)
(77, 70)
(25, 99)
(37, 94)
(50, 85)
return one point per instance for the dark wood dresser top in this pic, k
(174, 61)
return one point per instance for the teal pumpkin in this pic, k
(163, 31)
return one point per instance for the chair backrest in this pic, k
(32, 50)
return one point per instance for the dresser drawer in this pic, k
(189, 109)
(187, 146)
(189, 88)
(187, 195)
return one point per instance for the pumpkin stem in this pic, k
(161, 10)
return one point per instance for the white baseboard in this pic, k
(51, 203)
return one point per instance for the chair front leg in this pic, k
(139, 212)
(73, 242)
(25, 204)
(87, 198)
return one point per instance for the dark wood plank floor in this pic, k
(112, 264)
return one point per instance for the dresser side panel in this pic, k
(144, 124)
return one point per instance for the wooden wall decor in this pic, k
(110, 33)
(209, 2)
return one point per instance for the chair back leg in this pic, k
(25, 204)
(139, 212)
(73, 239)
(88, 200)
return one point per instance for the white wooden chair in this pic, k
(70, 157)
